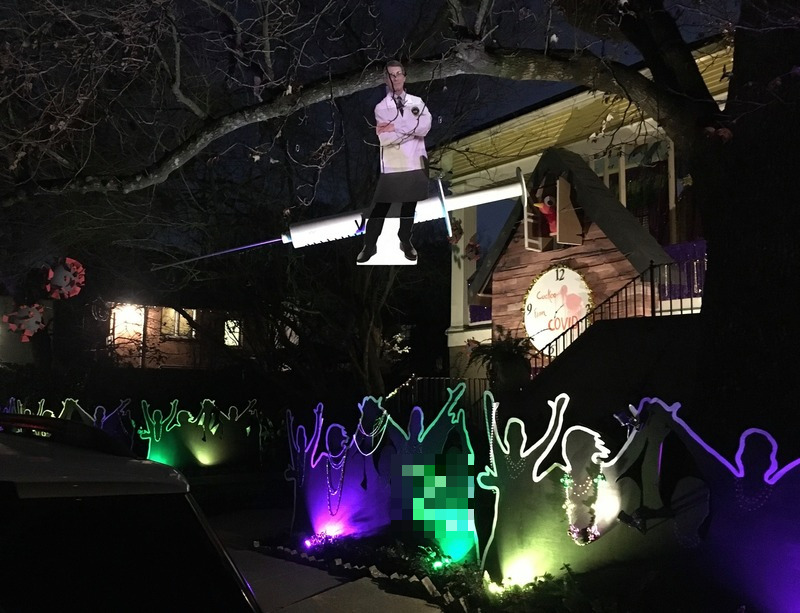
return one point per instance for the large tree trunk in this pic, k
(748, 187)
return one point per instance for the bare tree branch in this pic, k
(672, 110)
(176, 74)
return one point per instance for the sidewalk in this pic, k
(290, 587)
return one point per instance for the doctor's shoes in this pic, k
(408, 250)
(366, 253)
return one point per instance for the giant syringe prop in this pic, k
(349, 224)
(346, 225)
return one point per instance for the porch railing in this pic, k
(667, 289)
(670, 289)
(430, 393)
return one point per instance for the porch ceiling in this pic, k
(563, 123)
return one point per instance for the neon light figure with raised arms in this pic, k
(433, 487)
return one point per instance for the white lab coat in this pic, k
(403, 149)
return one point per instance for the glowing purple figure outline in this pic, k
(771, 476)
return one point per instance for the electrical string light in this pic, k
(490, 419)
(752, 500)
(515, 467)
(405, 383)
(586, 491)
(338, 464)
(320, 539)
(380, 426)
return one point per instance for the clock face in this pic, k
(557, 300)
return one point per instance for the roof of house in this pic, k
(599, 205)
(564, 121)
(602, 207)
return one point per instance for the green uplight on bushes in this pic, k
(210, 437)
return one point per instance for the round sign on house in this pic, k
(557, 300)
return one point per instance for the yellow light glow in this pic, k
(203, 457)
(608, 504)
(519, 571)
(128, 320)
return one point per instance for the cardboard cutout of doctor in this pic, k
(401, 123)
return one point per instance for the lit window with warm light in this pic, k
(128, 320)
(174, 325)
(233, 333)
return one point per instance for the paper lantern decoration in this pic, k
(66, 280)
(27, 320)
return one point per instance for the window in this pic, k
(127, 321)
(127, 332)
(174, 325)
(551, 221)
(233, 333)
(647, 197)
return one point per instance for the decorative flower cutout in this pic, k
(473, 248)
(66, 280)
(27, 320)
(458, 230)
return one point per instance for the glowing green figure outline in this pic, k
(405, 447)
(156, 425)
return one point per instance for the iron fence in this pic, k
(667, 289)
(430, 393)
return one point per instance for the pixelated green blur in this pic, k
(441, 491)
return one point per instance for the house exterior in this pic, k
(147, 336)
(15, 345)
(640, 171)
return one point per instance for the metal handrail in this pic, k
(430, 393)
(666, 289)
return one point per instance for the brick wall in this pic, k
(602, 265)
